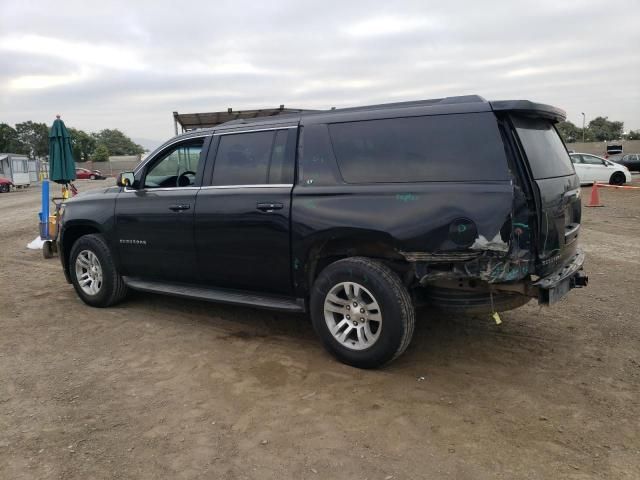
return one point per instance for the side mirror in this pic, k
(125, 179)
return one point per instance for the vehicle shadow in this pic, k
(440, 339)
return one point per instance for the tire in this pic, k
(382, 341)
(462, 302)
(47, 249)
(618, 178)
(4, 188)
(109, 286)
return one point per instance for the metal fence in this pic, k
(114, 166)
(600, 148)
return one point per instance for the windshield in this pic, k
(545, 151)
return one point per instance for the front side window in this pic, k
(252, 158)
(591, 160)
(176, 168)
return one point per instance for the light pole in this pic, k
(582, 127)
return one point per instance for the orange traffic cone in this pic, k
(594, 201)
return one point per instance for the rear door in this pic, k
(558, 186)
(242, 215)
(580, 168)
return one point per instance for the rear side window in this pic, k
(461, 147)
(545, 151)
(316, 161)
(253, 158)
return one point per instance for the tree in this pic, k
(603, 129)
(101, 153)
(83, 144)
(569, 132)
(9, 141)
(117, 142)
(34, 138)
(633, 135)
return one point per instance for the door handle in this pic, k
(178, 208)
(269, 206)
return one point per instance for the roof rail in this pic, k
(417, 103)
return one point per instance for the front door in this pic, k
(154, 221)
(242, 216)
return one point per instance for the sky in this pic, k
(130, 64)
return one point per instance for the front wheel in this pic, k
(617, 178)
(4, 188)
(94, 274)
(362, 312)
(92, 177)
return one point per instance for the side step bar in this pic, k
(235, 297)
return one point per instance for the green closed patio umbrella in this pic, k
(62, 167)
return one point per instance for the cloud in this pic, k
(388, 25)
(101, 55)
(31, 82)
(129, 65)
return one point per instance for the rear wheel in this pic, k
(4, 188)
(362, 312)
(94, 274)
(617, 178)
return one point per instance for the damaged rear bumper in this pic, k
(555, 286)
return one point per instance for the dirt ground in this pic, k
(167, 388)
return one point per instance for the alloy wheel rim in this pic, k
(353, 316)
(89, 272)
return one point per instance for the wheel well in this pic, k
(322, 256)
(71, 235)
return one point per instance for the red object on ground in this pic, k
(594, 201)
(5, 185)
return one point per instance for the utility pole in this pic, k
(582, 127)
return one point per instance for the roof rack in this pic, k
(193, 121)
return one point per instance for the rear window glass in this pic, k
(544, 149)
(449, 148)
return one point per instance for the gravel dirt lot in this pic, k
(167, 388)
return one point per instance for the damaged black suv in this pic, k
(353, 215)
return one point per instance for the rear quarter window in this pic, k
(441, 148)
(543, 147)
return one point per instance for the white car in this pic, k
(591, 168)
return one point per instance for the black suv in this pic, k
(354, 215)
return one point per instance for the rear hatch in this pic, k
(558, 191)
